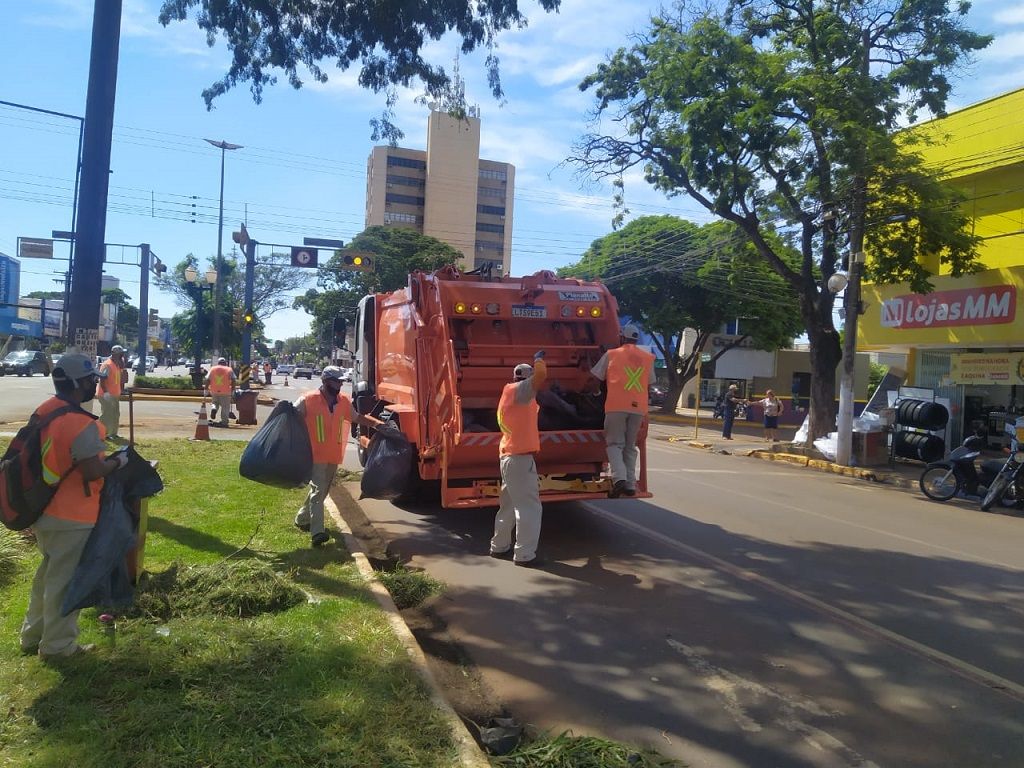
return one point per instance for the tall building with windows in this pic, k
(446, 192)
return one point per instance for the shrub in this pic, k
(163, 382)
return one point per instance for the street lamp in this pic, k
(196, 284)
(223, 146)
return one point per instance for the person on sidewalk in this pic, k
(266, 372)
(729, 406)
(628, 371)
(772, 409)
(110, 389)
(324, 412)
(220, 382)
(519, 509)
(75, 461)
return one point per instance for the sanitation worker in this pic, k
(111, 386)
(220, 382)
(628, 371)
(520, 508)
(75, 462)
(324, 412)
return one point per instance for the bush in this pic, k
(163, 382)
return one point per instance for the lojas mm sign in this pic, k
(990, 305)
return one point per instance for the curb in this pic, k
(821, 465)
(470, 754)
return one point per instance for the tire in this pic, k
(939, 483)
(995, 491)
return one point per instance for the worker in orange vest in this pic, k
(520, 508)
(324, 412)
(74, 460)
(628, 371)
(220, 383)
(111, 386)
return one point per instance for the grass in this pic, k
(568, 751)
(247, 648)
(409, 587)
(13, 550)
(164, 382)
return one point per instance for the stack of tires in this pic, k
(920, 415)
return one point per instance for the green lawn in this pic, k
(217, 682)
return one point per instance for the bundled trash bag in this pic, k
(388, 461)
(279, 453)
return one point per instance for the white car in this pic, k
(286, 369)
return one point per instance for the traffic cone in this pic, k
(202, 424)
(286, 379)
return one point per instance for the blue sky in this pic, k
(302, 169)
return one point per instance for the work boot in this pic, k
(618, 489)
(78, 650)
(319, 539)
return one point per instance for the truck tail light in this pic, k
(595, 311)
(581, 311)
(492, 308)
(476, 309)
(460, 308)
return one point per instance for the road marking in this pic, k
(963, 669)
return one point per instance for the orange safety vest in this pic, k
(220, 380)
(629, 374)
(326, 429)
(518, 424)
(76, 499)
(112, 383)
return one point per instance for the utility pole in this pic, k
(218, 292)
(143, 346)
(87, 271)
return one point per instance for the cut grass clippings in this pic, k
(409, 588)
(568, 751)
(252, 650)
(14, 548)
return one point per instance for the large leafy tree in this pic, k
(668, 275)
(784, 116)
(386, 38)
(396, 251)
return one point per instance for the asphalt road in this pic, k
(749, 615)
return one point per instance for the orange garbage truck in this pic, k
(433, 357)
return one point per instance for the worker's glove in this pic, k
(538, 355)
(121, 457)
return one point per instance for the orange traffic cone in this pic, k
(202, 424)
(286, 379)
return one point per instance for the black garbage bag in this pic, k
(388, 463)
(279, 453)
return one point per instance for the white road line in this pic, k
(957, 666)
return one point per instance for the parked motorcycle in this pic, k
(958, 473)
(1009, 483)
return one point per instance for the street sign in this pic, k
(323, 242)
(304, 257)
(35, 248)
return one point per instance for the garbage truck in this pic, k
(432, 358)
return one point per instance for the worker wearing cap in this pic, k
(110, 388)
(520, 508)
(73, 459)
(628, 371)
(220, 383)
(324, 412)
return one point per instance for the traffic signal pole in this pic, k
(140, 369)
(250, 283)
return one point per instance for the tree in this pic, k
(668, 275)
(386, 37)
(783, 116)
(396, 251)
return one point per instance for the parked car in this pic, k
(303, 370)
(286, 369)
(25, 363)
(656, 395)
(346, 374)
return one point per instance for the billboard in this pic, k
(10, 280)
(45, 312)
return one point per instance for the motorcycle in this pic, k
(1009, 483)
(958, 474)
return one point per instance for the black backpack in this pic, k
(23, 492)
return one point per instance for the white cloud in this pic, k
(1004, 48)
(1011, 15)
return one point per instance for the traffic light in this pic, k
(247, 319)
(340, 327)
(154, 317)
(157, 267)
(236, 318)
(358, 262)
(241, 236)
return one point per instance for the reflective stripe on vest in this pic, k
(518, 424)
(75, 499)
(326, 430)
(629, 374)
(220, 380)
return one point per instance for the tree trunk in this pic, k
(825, 354)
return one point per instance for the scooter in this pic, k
(957, 474)
(1008, 486)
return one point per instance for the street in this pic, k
(748, 615)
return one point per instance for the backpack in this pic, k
(23, 492)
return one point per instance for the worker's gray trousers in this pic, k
(110, 414)
(311, 512)
(620, 433)
(520, 509)
(223, 405)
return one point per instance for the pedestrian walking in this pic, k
(519, 509)
(266, 371)
(628, 371)
(324, 412)
(220, 383)
(111, 386)
(772, 409)
(729, 407)
(76, 462)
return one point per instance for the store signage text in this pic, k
(990, 305)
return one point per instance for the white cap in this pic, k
(332, 372)
(630, 332)
(222, 361)
(522, 371)
(116, 348)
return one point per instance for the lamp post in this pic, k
(223, 146)
(196, 284)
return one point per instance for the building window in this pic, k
(406, 162)
(496, 228)
(487, 173)
(490, 245)
(405, 181)
(401, 218)
(494, 210)
(403, 199)
(491, 192)
(482, 261)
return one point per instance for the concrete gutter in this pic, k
(470, 754)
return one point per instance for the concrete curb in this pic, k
(821, 465)
(470, 754)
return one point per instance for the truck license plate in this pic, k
(527, 310)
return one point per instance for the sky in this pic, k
(302, 169)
